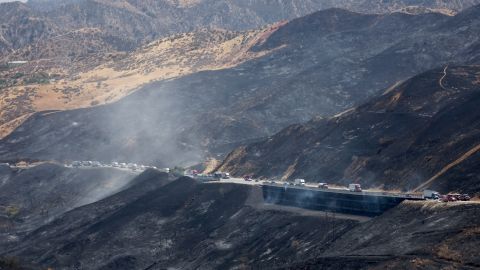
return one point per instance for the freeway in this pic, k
(130, 167)
(138, 168)
(314, 186)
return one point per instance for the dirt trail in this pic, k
(440, 82)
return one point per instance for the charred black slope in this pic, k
(183, 225)
(317, 65)
(414, 235)
(188, 225)
(15, 229)
(425, 128)
(32, 197)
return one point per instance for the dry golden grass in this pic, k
(167, 58)
(6, 128)
(210, 165)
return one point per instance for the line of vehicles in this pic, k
(452, 197)
(355, 187)
(301, 182)
(121, 165)
(217, 176)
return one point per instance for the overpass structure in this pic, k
(337, 200)
(363, 203)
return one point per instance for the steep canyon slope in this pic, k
(320, 64)
(66, 42)
(31, 197)
(188, 225)
(421, 133)
(141, 21)
(99, 78)
(182, 224)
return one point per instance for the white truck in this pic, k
(431, 194)
(299, 182)
(355, 187)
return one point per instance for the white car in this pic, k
(323, 185)
(76, 164)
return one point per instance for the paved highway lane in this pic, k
(314, 186)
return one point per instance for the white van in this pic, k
(299, 182)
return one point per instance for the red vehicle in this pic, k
(452, 197)
(456, 196)
(448, 198)
(460, 197)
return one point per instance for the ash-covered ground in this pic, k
(156, 222)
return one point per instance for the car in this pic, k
(455, 195)
(443, 198)
(464, 197)
(86, 163)
(452, 198)
(247, 178)
(76, 164)
(272, 182)
(448, 198)
(323, 185)
(355, 187)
